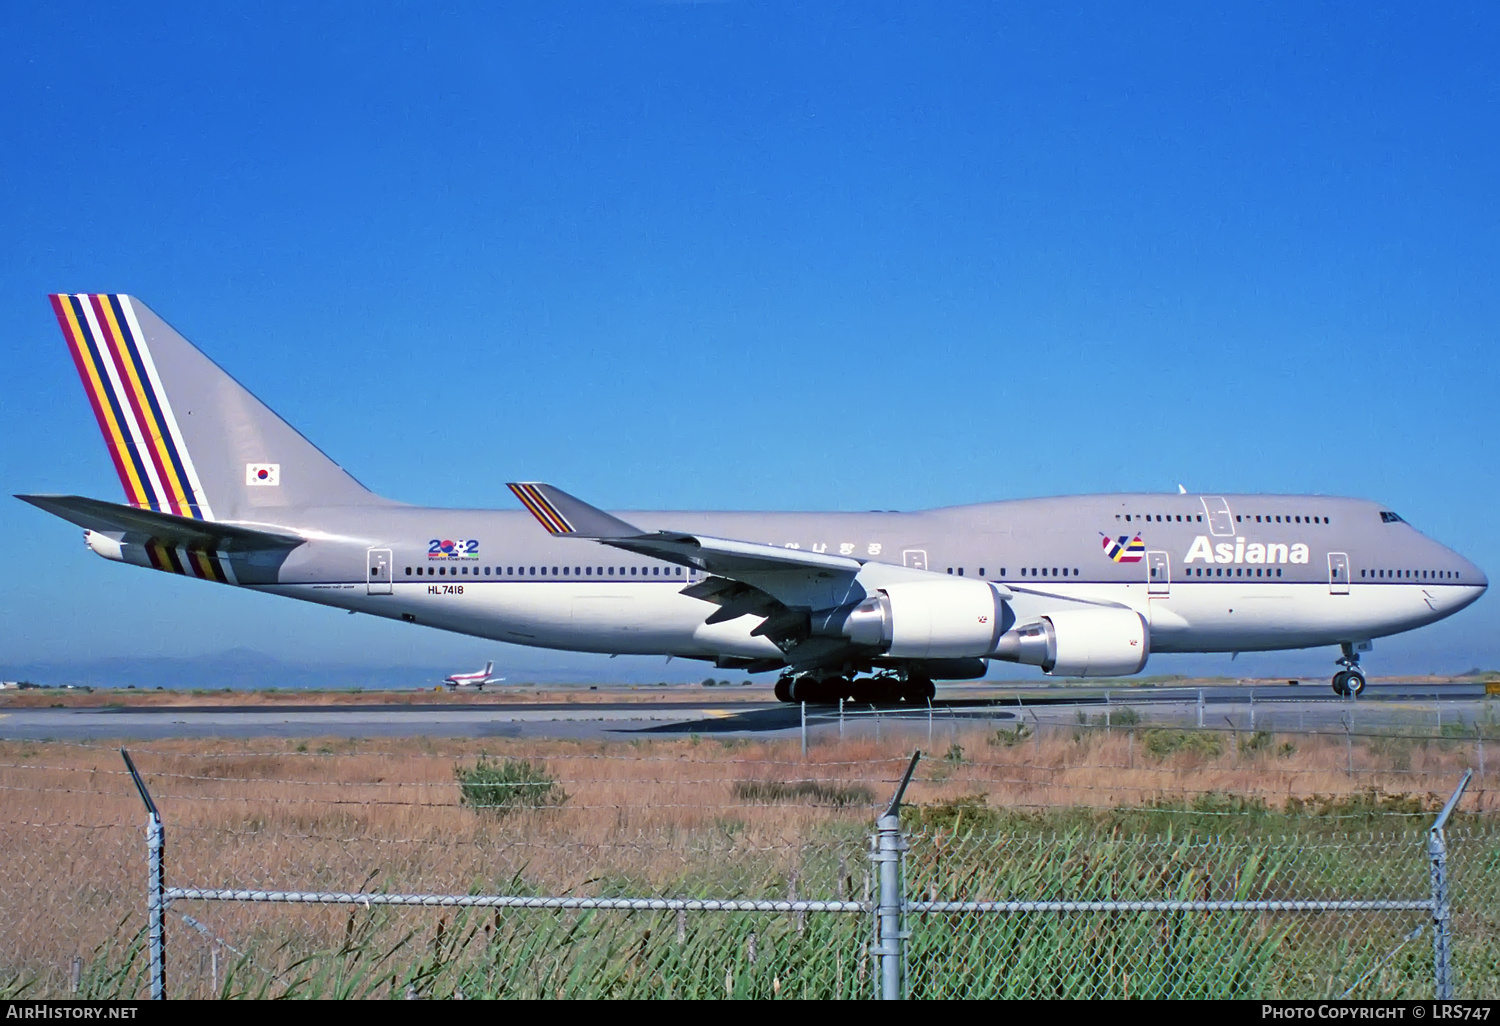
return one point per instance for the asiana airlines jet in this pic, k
(871, 606)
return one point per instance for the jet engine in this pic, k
(950, 619)
(1098, 642)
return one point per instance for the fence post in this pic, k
(891, 901)
(1437, 859)
(156, 885)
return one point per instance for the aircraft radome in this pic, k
(872, 606)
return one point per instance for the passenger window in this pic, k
(408, 571)
(981, 571)
(679, 571)
(960, 571)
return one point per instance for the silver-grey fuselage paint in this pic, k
(1233, 573)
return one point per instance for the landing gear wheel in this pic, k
(1349, 680)
(783, 690)
(919, 690)
(833, 689)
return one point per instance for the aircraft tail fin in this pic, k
(185, 437)
(489, 667)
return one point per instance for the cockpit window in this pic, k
(1387, 517)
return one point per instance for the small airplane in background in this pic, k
(477, 679)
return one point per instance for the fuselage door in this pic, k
(914, 558)
(378, 563)
(1158, 574)
(1338, 573)
(1220, 519)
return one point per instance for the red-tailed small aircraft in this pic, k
(478, 679)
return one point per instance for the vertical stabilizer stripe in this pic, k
(156, 405)
(128, 383)
(171, 433)
(131, 431)
(65, 319)
(147, 407)
(96, 381)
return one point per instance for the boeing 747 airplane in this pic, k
(871, 606)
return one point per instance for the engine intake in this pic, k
(1105, 642)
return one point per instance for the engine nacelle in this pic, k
(104, 545)
(952, 619)
(1099, 642)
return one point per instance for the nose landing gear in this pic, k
(1348, 681)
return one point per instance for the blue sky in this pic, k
(759, 256)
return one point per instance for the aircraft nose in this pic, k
(1471, 575)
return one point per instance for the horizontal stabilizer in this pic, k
(167, 528)
(562, 514)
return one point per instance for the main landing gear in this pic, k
(883, 690)
(1349, 680)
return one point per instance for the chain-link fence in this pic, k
(727, 869)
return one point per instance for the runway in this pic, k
(1386, 706)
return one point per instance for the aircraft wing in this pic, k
(167, 528)
(791, 577)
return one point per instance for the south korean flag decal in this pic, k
(263, 474)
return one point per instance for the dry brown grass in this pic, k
(649, 817)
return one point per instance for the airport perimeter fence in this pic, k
(302, 899)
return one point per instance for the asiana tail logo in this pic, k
(1124, 549)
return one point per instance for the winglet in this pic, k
(563, 515)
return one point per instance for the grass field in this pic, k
(1078, 812)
